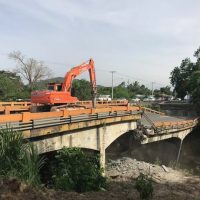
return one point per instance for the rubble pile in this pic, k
(131, 168)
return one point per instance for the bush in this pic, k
(73, 170)
(18, 158)
(144, 187)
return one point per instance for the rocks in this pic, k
(129, 167)
(23, 187)
(113, 173)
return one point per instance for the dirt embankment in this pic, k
(168, 184)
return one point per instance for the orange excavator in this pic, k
(60, 94)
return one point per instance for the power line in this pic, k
(101, 70)
(132, 77)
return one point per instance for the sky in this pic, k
(142, 40)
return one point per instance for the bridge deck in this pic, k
(151, 119)
(157, 126)
(154, 117)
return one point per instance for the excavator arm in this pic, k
(75, 71)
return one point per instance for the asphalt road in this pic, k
(158, 118)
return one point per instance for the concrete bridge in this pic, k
(95, 129)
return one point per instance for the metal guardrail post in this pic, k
(26, 117)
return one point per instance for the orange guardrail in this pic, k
(8, 109)
(15, 103)
(28, 116)
(113, 102)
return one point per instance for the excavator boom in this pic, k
(75, 71)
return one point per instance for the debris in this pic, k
(128, 167)
(113, 174)
(165, 168)
(156, 179)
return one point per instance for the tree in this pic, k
(180, 77)
(195, 88)
(11, 86)
(81, 89)
(135, 88)
(121, 91)
(197, 54)
(104, 90)
(165, 90)
(186, 79)
(29, 69)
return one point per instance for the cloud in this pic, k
(143, 38)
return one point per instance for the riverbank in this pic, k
(168, 184)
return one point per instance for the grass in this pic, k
(19, 158)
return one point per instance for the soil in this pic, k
(168, 184)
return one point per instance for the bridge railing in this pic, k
(15, 103)
(27, 121)
(152, 111)
(28, 116)
(9, 107)
(98, 103)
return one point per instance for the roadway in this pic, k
(154, 117)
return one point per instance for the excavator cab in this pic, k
(55, 86)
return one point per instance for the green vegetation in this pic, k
(13, 90)
(73, 170)
(11, 86)
(163, 91)
(81, 89)
(19, 158)
(69, 169)
(126, 91)
(144, 187)
(186, 78)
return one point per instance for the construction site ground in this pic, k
(168, 184)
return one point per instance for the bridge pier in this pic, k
(101, 146)
(179, 151)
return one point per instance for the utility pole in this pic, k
(112, 72)
(152, 88)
